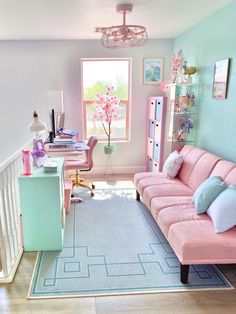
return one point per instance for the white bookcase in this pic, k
(182, 116)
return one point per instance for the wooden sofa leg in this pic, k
(137, 196)
(184, 270)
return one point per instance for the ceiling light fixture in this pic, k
(123, 36)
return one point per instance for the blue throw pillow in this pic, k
(207, 192)
(223, 210)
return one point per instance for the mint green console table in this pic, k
(42, 205)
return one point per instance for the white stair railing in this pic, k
(11, 247)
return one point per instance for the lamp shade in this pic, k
(36, 125)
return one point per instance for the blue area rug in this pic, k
(112, 245)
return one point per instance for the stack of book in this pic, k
(68, 133)
(50, 165)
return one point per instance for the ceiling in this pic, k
(76, 19)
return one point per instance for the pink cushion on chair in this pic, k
(75, 164)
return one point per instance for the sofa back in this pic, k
(197, 166)
(226, 170)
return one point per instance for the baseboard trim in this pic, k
(114, 170)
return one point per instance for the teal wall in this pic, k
(211, 40)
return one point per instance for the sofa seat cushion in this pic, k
(155, 180)
(177, 213)
(195, 242)
(142, 175)
(168, 189)
(158, 203)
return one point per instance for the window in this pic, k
(97, 75)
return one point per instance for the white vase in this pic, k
(108, 149)
(189, 79)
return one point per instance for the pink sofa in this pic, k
(191, 236)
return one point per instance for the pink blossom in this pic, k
(107, 107)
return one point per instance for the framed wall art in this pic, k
(220, 79)
(152, 71)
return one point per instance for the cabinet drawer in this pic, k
(151, 130)
(150, 147)
(158, 110)
(152, 109)
(157, 131)
(156, 151)
(150, 164)
(155, 166)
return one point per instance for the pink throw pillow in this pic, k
(172, 165)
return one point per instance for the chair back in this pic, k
(92, 142)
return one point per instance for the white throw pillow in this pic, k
(172, 165)
(223, 210)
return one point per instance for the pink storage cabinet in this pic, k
(155, 132)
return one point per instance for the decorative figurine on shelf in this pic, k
(176, 65)
(188, 71)
(38, 154)
(107, 110)
(184, 103)
(186, 123)
(180, 135)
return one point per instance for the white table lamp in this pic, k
(36, 125)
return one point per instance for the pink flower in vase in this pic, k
(107, 107)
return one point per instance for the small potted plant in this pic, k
(107, 111)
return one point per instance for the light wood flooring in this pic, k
(13, 297)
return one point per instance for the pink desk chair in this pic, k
(83, 165)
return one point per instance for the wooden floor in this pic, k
(13, 298)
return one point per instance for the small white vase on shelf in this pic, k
(188, 79)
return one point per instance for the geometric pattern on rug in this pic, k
(112, 245)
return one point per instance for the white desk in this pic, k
(58, 150)
(79, 148)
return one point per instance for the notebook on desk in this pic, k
(59, 147)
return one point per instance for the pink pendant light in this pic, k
(123, 36)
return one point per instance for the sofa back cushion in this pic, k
(223, 168)
(231, 177)
(197, 166)
(190, 157)
(202, 170)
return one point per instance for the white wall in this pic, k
(29, 69)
